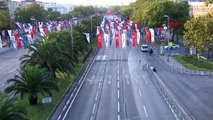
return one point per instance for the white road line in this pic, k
(118, 94)
(109, 82)
(2, 85)
(12, 70)
(119, 117)
(96, 97)
(139, 92)
(118, 84)
(75, 89)
(146, 81)
(118, 106)
(91, 118)
(99, 85)
(118, 77)
(144, 108)
(127, 81)
(93, 109)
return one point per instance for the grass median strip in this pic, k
(191, 66)
(42, 111)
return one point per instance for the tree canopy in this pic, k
(199, 34)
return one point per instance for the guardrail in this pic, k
(67, 99)
(186, 71)
(177, 109)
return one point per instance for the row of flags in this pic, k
(125, 33)
(26, 33)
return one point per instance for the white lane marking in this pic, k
(12, 70)
(146, 81)
(119, 117)
(144, 108)
(93, 109)
(99, 85)
(139, 92)
(118, 94)
(118, 84)
(2, 85)
(118, 77)
(118, 106)
(127, 81)
(91, 118)
(75, 89)
(96, 97)
(109, 82)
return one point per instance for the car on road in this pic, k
(173, 47)
(144, 48)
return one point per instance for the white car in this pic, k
(173, 47)
(144, 48)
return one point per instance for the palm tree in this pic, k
(51, 55)
(10, 111)
(32, 80)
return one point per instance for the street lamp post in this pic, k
(168, 36)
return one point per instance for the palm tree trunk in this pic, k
(33, 99)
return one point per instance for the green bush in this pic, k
(197, 62)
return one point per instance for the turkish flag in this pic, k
(147, 35)
(133, 38)
(116, 40)
(17, 38)
(99, 40)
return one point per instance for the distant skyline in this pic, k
(89, 2)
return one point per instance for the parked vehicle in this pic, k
(144, 48)
(173, 47)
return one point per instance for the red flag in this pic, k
(99, 40)
(17, 38)
(133, 38)
(116, 40)
(147, 35)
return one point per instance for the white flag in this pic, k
(0, 42)
(123, 39)
(152, 35)
(106, 40)
(138, 36)
(87, 37)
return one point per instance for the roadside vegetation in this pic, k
(193, 63)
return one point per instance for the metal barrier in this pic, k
(177, 109)
(186, 71)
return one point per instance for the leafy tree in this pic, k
(10, 111)
(199, 34)
(49, 54)
(31, 81)
(208, 1)
(115, 9)
(53, 15)
(81, 11)
(126, 11)
(4, 19)
(34, 10)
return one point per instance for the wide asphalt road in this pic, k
(9, 63)
(194, 92)
(117, 88)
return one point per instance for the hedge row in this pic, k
(197, 62)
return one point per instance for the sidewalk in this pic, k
(4, 50)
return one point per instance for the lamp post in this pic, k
(168, 36)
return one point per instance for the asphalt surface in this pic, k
(117, 88)
(9, 63)
(195, 93)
